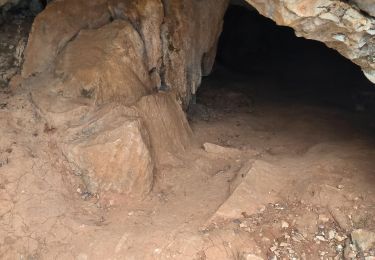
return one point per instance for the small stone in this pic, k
(340, 238)
(284, 224)
(283, 244)
(243, 225)
(320, 238)
(331, 234)
(340, 186)
(253, 257)
(323, 218)
(273, 248)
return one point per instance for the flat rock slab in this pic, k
(259, 187)
(220, 150)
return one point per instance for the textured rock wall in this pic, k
(339, 25)
(179, 36)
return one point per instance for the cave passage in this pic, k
(275, 64)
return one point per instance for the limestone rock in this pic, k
(105, 64)
(259, 187)
(366, 5)
(166, 123)
(190, 36)
(59, 23)
(148, 16)
(363, 239)
(112, 153)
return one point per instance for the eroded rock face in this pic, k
(166, 123)
(179, 37)
(112, 152)
(107, 64)
(366, 5)
(56, 26)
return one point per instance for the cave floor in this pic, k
(309, 167)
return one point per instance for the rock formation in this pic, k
(148, 56)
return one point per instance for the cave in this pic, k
(178, 129)
(272, 61)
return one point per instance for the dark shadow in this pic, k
(279, 64)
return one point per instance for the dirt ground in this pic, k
(308, 167)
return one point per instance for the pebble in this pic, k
(331, 234)
(340, 186)
(340, 238)
(323, 218)
(284, 224)
(320, 238)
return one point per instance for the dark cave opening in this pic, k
(275, 64)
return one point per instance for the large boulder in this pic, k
(111, 151)
(58, 24)
(105, 64)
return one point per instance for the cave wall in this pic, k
(179, 36)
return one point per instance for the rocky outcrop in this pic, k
(111, 151)
(337, 24)
(178, 36)
(97, 53)
(58, 24)
(366, 5)
(106, 64)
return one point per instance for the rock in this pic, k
(59, 112)
(90, 66)
(366, 5)
(284, 224)
(363, 239)
(331, 234)
(112, 153)
(166, 123)
(220, 150)
(56, 26)
(323, 218)
(307, 223)
(259, 187)
(148, 15)
(340, 218)
(252, 257)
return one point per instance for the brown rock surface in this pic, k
(112, 152)
(107, 64)
(56, 26)
(166, 123)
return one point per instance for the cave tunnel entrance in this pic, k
(278, 65)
